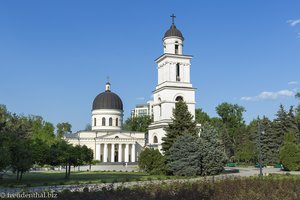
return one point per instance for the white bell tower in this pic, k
(173, 84)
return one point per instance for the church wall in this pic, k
(89, 134)
(168, 102)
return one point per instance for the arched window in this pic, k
(176, 47)
(155, 139)
(103, 121)
(117, 121)
(95, 122)
(160, 110)
(117, 137)
(110, 121)
(179, 98)
(177, 72)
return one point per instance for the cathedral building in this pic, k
(107, 139)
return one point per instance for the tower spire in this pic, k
(173, 17)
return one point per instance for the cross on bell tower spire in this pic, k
(173, 17)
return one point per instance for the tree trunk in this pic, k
(90, 166)
(66, 175)
(21, 176)
(69, 170)
(17, 175)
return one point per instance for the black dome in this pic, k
(107, 100)
(173, 31)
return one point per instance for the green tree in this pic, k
(233, 128)
(201, 117)
(246, 152)
(20, 145)
(60, 153)
(87, 156)
(152, 162)
(193, 155)
(63, 128)
(185, 157)
(21, 157)
(5, 156)
(211, 154)
(293, 123)
(42, 130)
(182, 124)
(88, 127)
(284, 123)
(290, 153)
(139, 124)
(268, 142)
(40, 152)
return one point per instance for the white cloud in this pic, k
(293, 83)
(247, 98)
(270, 95)
(293, 22)
(140, 98)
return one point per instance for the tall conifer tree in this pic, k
(182, 124)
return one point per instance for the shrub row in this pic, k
(250, 188)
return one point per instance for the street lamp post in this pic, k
(259, 132)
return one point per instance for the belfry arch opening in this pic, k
(155, 140)
(179, 98)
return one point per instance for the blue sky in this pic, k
(55, 55)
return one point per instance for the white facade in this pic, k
(173, 84)
(111, 147)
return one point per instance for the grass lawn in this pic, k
(57, 178)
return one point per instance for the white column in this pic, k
(98, 152)
(105, 153)
(126, 152)
(133, 152)
(120, 153)
(112, 154)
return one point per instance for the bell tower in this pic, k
(173, 84)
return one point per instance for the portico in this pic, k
(116, 151)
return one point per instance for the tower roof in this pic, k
(173, 31)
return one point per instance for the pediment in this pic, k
(116, 135)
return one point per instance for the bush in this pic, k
(290, 154)
(152, 162)
(246, 188)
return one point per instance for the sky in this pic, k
(55, 56)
